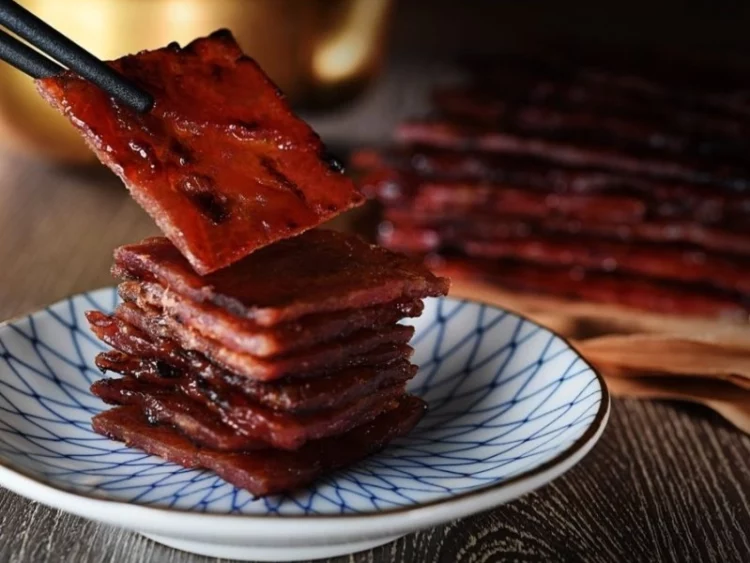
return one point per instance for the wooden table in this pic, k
(665, 483)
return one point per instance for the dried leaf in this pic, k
(729, 401)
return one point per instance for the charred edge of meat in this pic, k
(223, 36)
(270, 167)
(332, 161)
(166, 371)
(183, 154)
(244, 129)
(200, 190)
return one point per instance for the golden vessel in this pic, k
(319, 52)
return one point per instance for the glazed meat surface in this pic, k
(221, 163)
(246, 424)
(244, 335)
(130, 340)
(368, 349)
(287, 395)
(268, 471)
(316, 272)
(327, 356)
(164, 406)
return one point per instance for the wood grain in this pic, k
(665, 483)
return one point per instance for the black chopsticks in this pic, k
(25, 58)
(53, 43)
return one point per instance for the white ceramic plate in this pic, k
(512, 406)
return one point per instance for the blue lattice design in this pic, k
(505, 396)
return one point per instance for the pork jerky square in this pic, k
(243, 335)
(220, 162)
(243, 425)
(316, 272)
(269, 471)
(291, 395)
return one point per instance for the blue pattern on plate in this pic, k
(505, 396)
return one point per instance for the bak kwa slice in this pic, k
(130, 340)
(319, 271)
(425, 235)
(291, 395)
(599, 287)
(533, 117)
(244, 335)
(678, 263)
(570, 152)
(221, 163)
(672, 261)
(325, 357)
(247, 422)
(163, 405)
(267, 472)
(396, 175)
(456, 199)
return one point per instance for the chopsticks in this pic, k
(25, 58)
(53, 43)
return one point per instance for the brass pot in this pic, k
(318, 51)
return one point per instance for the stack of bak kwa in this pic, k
(602, 181)
(246, 343)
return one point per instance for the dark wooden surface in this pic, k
(666, 482)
